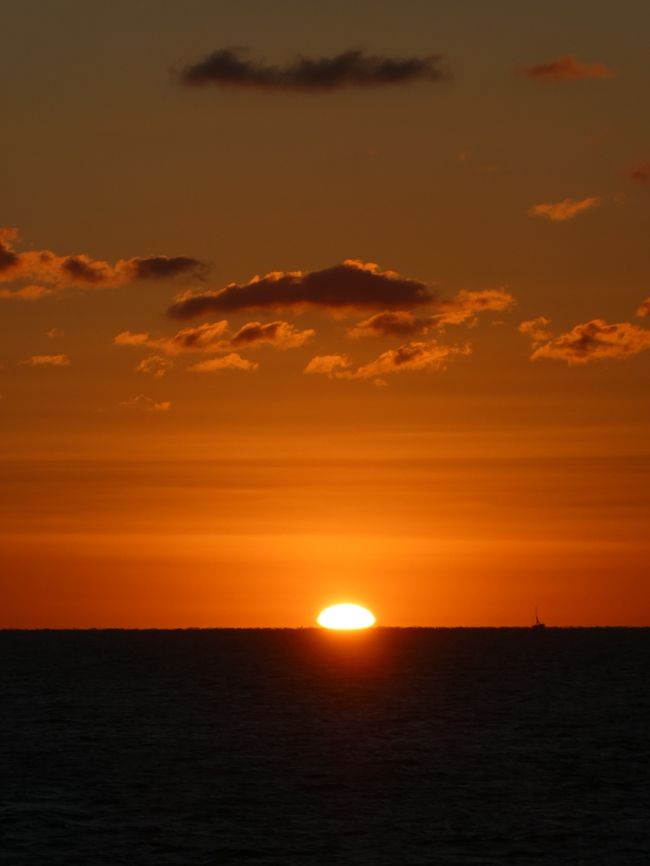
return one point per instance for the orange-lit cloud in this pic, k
(411, 357)
(233, 361)
(462, 308)
(567, 68)
(351, 285)
(537, 329)
(208, 337)
(644, 309)
(155, 365)
(227, 67)
(46, 361)
(146, 404)
(60, 273)
(591, 341)
(25, 293)
(215, 338)
(53, 333)
(564, 210)
(280, 335)
(327, 365)
(408, 358)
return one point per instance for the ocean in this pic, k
(391, 746)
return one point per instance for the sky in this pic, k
(310, 302)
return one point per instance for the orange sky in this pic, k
(373, 329)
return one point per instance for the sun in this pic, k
(346, 617)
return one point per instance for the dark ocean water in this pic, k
(414, 746)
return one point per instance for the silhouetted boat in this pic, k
(538, 623)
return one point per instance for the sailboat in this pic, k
(538, 623)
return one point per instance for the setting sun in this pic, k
(346, 617)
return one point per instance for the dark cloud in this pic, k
(164, 267)
(348, 286)
(228, 68)
(8, 258)
(80, 269)
(566, 68)
(590, 341)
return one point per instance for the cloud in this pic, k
(209, 337)
(155, 365)
(537, 329)
(25, 293)
(8, 258)
(280, 335)
(327, 365)
(215, 338)
(591, 341)
(567, 68)
(233, 361)
(128, 338)
(640, 173)
(351, 285)
(644, 309)
(408, 358)
(60, 273)
(54, 332)
(46, 361)
(146, 404)
(227, 67)
(563, 210)
(390, 323)
(462, 308)
(164, 267)
(411, 357)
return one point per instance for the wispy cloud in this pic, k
(564, 210)
(145, 404)
(46, 361)
(229, 67)
(566, 68)
(590, 341)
